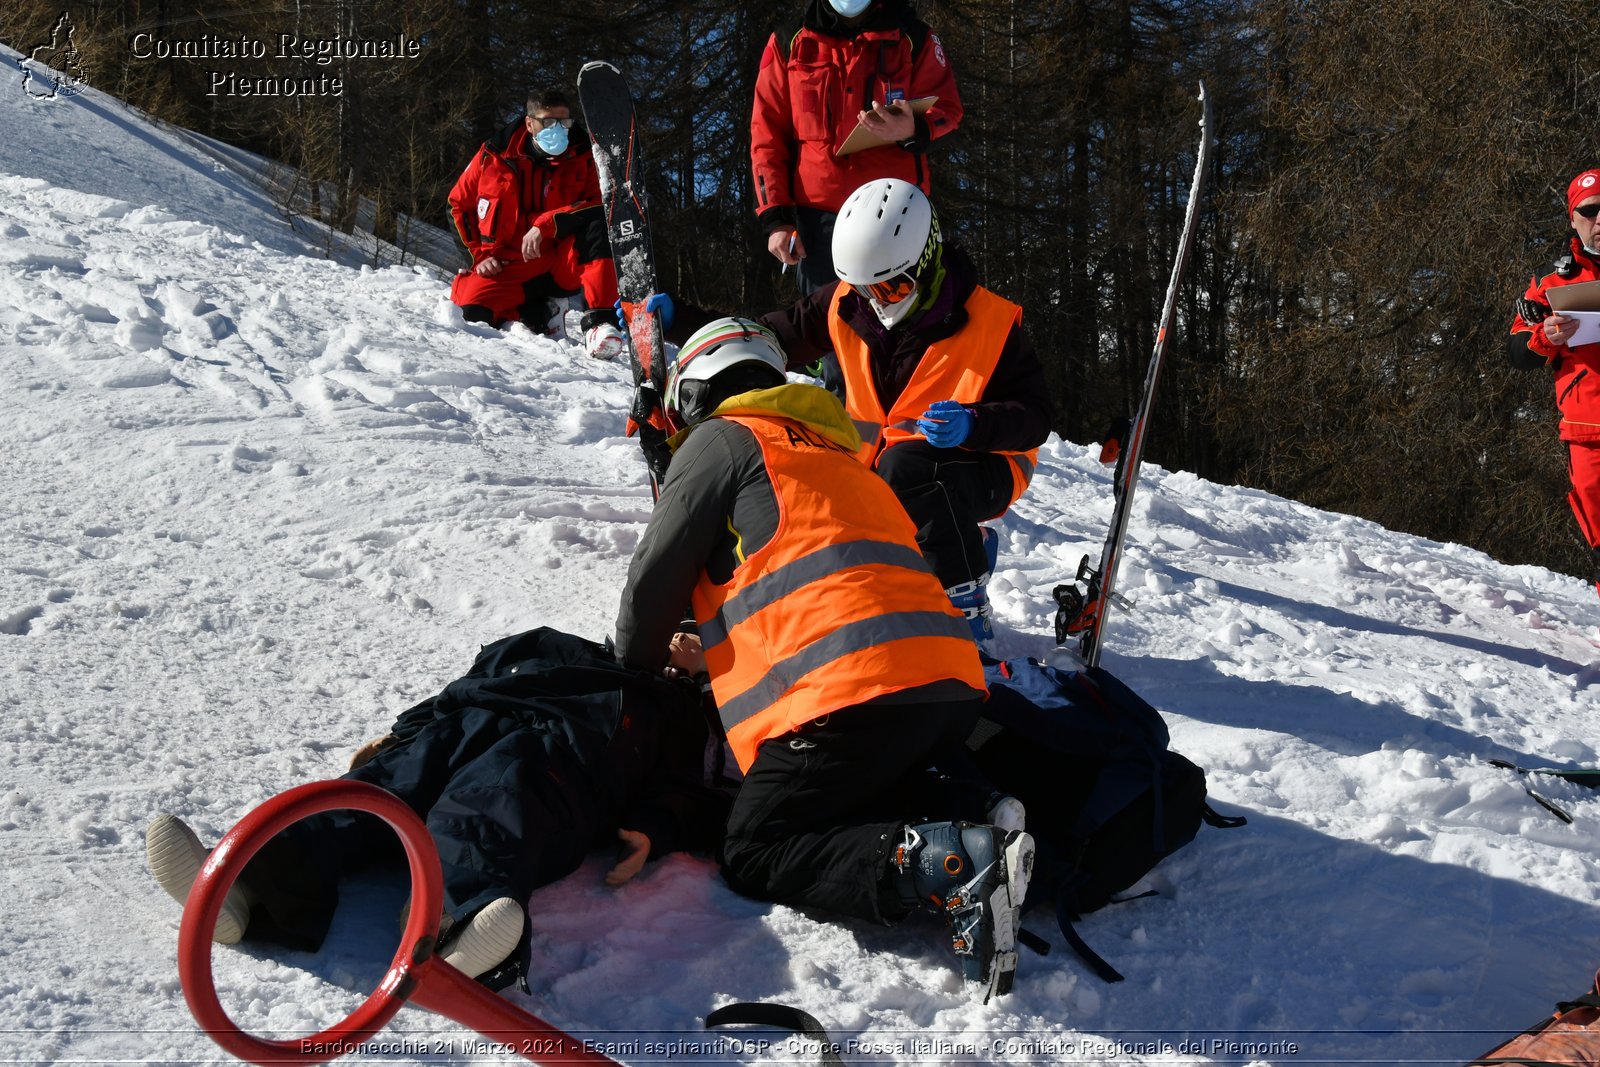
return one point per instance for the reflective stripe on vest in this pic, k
(772, 587)
(838, 608)
(853, 637)
(957, 368)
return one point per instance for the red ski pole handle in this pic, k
(415, 975)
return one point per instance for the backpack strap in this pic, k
(1039, 945)
(1096, 962)
(780, 1016)
(1213, 817)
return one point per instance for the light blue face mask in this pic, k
(849, 8)
(552, 139)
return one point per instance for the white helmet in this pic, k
(718, 346)
(884, 240)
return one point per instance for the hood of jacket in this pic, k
(513, 140)
(820, 17)
(814, 407)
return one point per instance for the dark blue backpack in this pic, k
(1106, 798)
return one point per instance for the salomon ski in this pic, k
(1083, 604)
(609, 114)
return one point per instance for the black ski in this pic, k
(608, 113)
(1585, 776)
(1589, 777)
(1083, 604)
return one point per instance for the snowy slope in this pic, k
(256, 503)
(99, 144)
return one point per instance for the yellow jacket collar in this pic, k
(817, 408)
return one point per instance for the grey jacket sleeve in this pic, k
(689, 520)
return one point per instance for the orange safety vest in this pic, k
(837, 609)
(956, 368)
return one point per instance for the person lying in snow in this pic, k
(546, 749)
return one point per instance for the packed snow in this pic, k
(258, 502)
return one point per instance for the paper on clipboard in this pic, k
(1588, 331)
(1581, 301)
(861, 138)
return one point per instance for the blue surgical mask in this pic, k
(552, 139)
(849, 8)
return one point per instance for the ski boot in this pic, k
(972, 598)
(975, 876)
(991, 548)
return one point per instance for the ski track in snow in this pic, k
(259, 502)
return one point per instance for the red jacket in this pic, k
(1577, 369)
(507, 189)
(809, 92)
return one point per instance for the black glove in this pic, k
(1532, 312)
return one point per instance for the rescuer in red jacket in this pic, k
(849, 62)
(528, 209)
(1542, 337)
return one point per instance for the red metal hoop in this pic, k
(415, 975)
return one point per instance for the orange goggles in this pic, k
(892, 291)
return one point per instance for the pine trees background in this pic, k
(1389, 174)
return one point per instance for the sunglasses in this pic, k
(892, 291)
(1588, 211)
(549, 121)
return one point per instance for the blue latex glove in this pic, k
(660, 303)
(945, 424)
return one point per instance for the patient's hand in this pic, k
(365, 753)
(686, 656)
(635, 850)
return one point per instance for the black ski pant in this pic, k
(947, 492)
(508, 811)
(815, 228)
(822, 807)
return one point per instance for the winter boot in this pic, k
(175, 856)
(601, 338)
(485, 940)
(976, 876)
(972, 600)
(555, 324)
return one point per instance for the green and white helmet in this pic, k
(740, 353)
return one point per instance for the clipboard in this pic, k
(860, 138)
(1579, 296)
